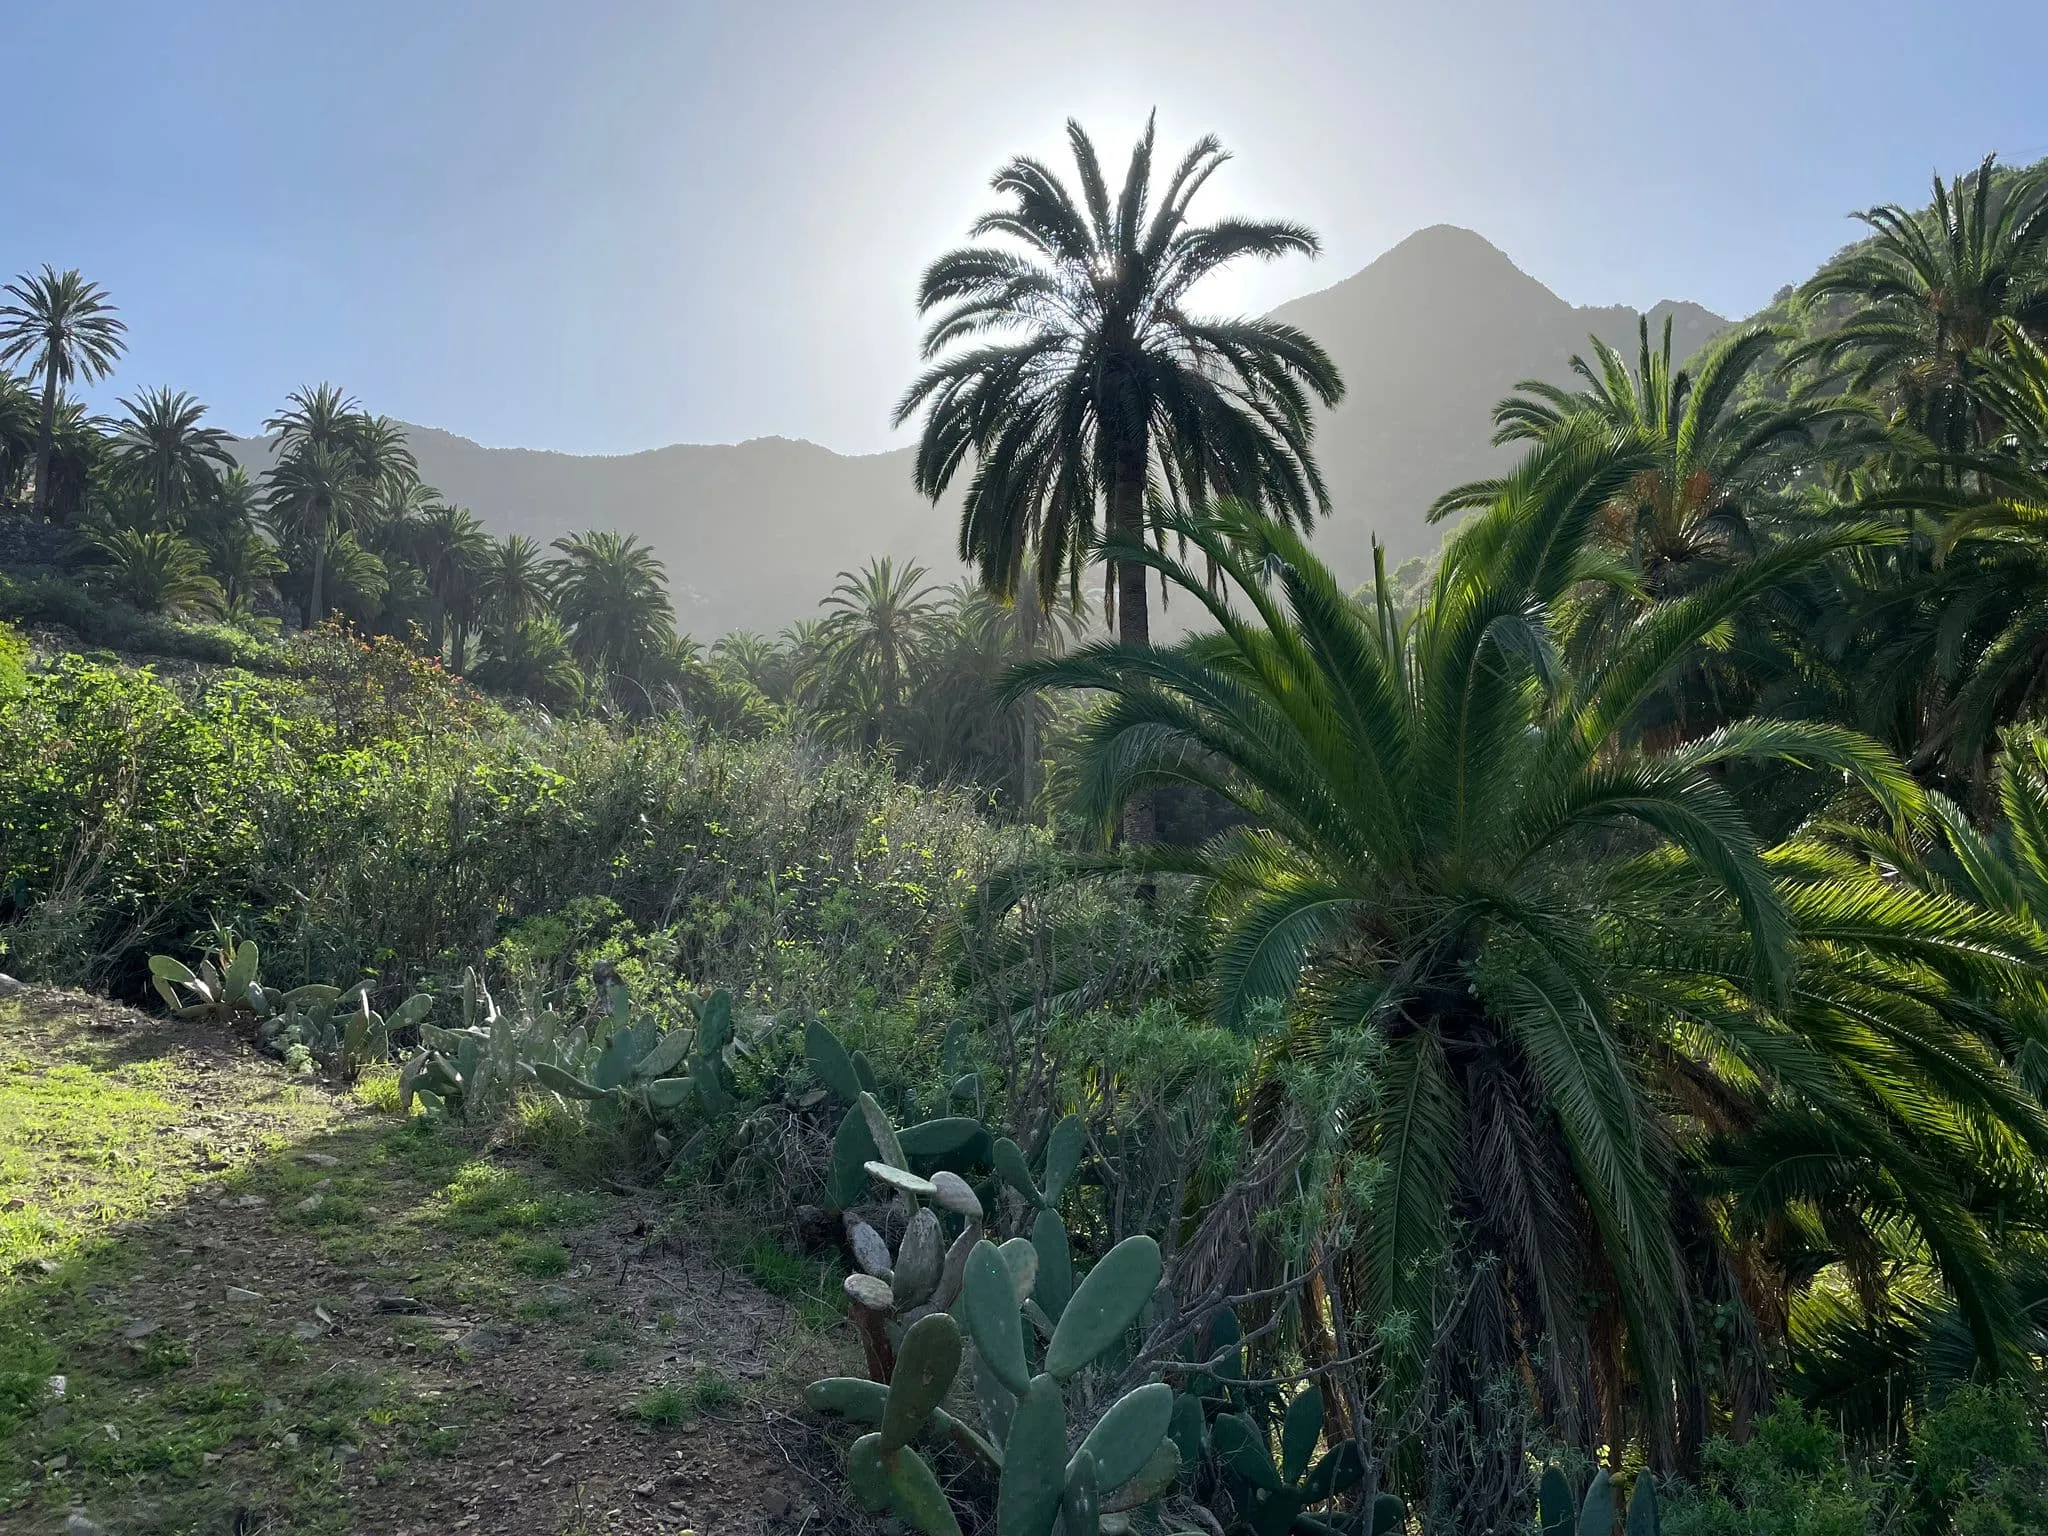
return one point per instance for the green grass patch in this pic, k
(483, 1200)
(812, 1286)
(663, 1408)
(540, 1260)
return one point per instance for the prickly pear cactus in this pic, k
(1126, 1458)
(1561, 1515)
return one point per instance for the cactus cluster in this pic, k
(638, 1068)
(1560, 1515)
(1126, 1458)
(1009, 1314)
(1274, 1499)
(617, 1064)
(225, 988)
(314, 1023)
(340, 1030)
(958, 1143)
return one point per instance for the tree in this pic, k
(312, 496)
(872, 635)
(1929, 289)
(1719, 461)
(453, 552)
(174, 459)
(20, 431)
(1074, 375)
(1547, 947)
(334, 465)
(65, 329)
(157, 571)
(611, 593)
(530, 657)
(514, 581)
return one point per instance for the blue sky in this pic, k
(605, 226)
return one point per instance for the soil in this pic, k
(440, 1337)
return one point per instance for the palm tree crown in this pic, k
(611, 593)
(1930, 288)
(65, 329)
(1073, 373)
(176, 460)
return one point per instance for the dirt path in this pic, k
(278, 1309)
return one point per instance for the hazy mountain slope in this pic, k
(753, 533)
(1428, 337)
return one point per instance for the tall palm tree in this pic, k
(873, 632)
(1541, 933)
(611, 593)
(335, 464)
(1074, 375)
(453, 552)
(313, 495)
(175, 459)
(514, 581)
(65, 329)
(1930, 288)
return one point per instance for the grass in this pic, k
(811, 1285)
(111, 1158)
(87, 1144)
(143, 1176)
(665, 1407)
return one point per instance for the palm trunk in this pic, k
(1133, 620)
(314, 610)
(48, 438)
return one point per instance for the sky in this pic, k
(601, 227)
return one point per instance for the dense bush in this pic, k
(102, 621)
(368, 816)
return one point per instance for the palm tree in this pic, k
(531, 657)
(1539, 932)
(612, 595)
(453, 552)
(1930, 288)
(1088, 382)
(65, 329)
(514, 582)
(244, 563)
(1722, 463)
(1980, 604)
(169, 454)
(1716, 455)
(19, 434)
(873, 632)
(158, 572)
(335, 465)
(313, 494)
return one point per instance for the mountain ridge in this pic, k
(1429, 335)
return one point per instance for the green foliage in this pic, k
(1124, 1461)
(1275, 1497)
(411, 825)
(1791, 1478)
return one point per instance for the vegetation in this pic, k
(1576, 1058)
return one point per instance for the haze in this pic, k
(602, 228)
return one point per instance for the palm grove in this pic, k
(1639, 930)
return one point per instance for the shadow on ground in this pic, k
(237, 1303)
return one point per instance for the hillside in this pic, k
(1429, 336)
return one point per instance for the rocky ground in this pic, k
(232, 1300)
